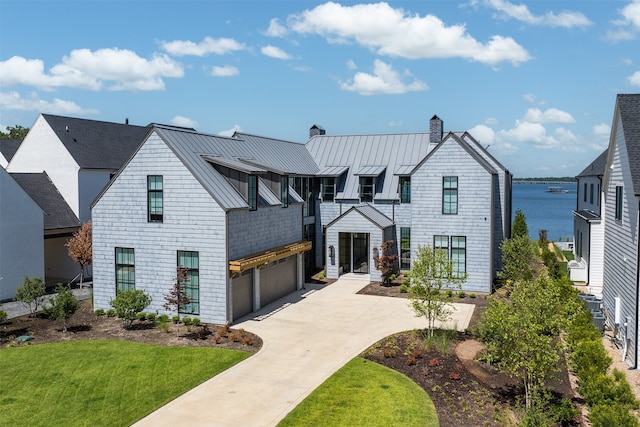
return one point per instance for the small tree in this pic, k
(31, 293)
(519, 228)
(63, 305)
(387, 262)
(517, 256)
(431, 275)
(177, 298)
(128, 304)
(80, 249)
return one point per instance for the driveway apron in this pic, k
(307, 336)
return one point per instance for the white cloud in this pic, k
(14, 101)
(86, 69)
(184, 122)
(522, 13)
(627, 27)
(631, 14)
(276, 29)
(530, 98)
(208, 45)
(384, 80)
(226, 71)
(634, 79)
(602, 129)
(230, 132)
(551, 115)
(491, 121)
(394, 123)
(274, 52)
(396, 33)
(304, 68)
(351, 65)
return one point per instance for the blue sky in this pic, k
(534, 81)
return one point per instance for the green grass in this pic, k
(99, 383)
(364, 393)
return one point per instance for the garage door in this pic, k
(242, 294)
(277, 279)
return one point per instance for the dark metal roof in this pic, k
(8, 147)
(597, 167)
(587, 215)
(629, 105)
(57, 213)
(97, 145)
(374, 216)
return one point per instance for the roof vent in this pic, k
(66, 128)
(316, 130)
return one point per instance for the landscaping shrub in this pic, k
(151, 317)
(31, 293)
(589, 357)
(461, 294)
(127, 304)
(175, 319)
(100, 312)
(3, 316)
(111, 313)
(404, 289)
(195, 321)
(564, 412)
(607, 415)
(62, 306)
(187, 321)
(472, 296)
(141, 316)
(163, 318)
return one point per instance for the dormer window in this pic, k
(284, 191)
(366, 188)
(328, 189)
(252, 197)
(405, 189)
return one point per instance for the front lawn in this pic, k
(364, 393)
(101, 383)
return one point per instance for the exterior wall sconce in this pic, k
(332, 254)
(376, 256)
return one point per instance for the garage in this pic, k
(242, 294)
(277, 279)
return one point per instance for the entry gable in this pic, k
(369, 213)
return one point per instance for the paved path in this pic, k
(17, 308)
(304, 343)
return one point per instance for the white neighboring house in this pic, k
(588, 227)
(79, 157)
(21, 236)
(621, 185)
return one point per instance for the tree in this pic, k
(387, 262)
(177, 298)
(63, 305)
(128, 304)
(80, 249)
(517, 256)
(14, 132)
(431, 275)
(31, 293)
(519, 228)
(522, 333)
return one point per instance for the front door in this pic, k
(361, 253)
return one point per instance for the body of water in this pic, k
(545, 210)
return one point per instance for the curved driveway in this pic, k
(306, 338)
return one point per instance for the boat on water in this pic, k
(557, 189)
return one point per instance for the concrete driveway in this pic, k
(306, 338)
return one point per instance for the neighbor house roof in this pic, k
(57, 213)
(95, 144)
(597, 167)
(369, 154)
(8, 147)
(629, 105)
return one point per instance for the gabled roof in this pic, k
(95, 144)
(629, 106)
(370, 213)
(388, 151)
(597, 167)
(57, 213)
(8, 147)
(287, 156)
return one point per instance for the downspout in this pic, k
(226, 269)
(635, 362)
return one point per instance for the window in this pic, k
(253, 192)
(328, 189)
(405, 189)
(366, 189)
(154, 198)
(450, 195)
(591, 193)
(619, 202)
(189, 261)
(441, 242)
(584, 192)
(598, 196)
(405, 248)
(125, 269)
(304, 187)
(284, 191)
(459, 255)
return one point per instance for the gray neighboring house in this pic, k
(588, 227)
(8, 148)
(245, 214)
(621, 188)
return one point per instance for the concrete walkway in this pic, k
(306, 338)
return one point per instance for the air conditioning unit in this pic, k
(594, 304)
(598, 322)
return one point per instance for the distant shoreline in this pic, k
(544, 180)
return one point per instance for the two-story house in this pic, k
(588, 227)
(621, 185)
(240, 213)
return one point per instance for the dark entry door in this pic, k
(361, 253)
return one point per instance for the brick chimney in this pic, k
(316, 130)
(435, 130)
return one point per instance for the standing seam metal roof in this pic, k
(629, 105)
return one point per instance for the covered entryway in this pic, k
(353, 240)
(354, 252)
